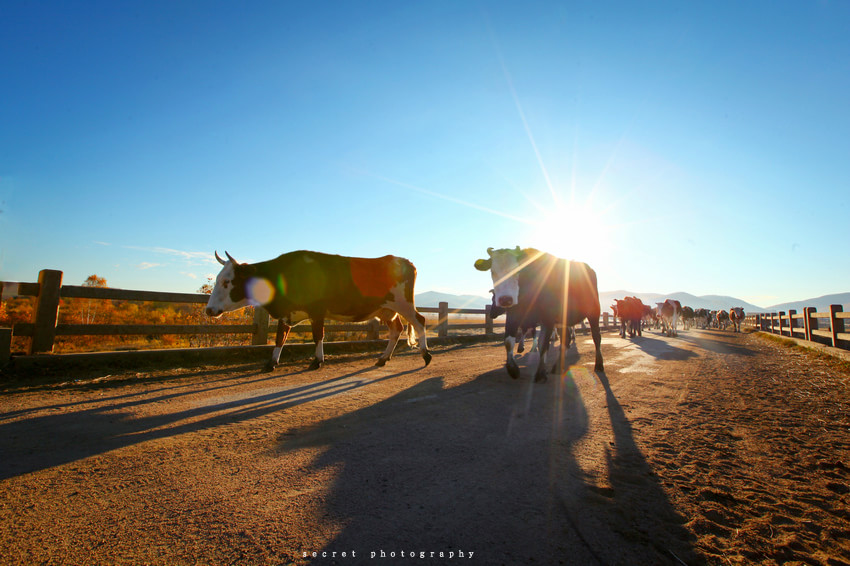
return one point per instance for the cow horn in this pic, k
(221, 261)
(490, 251)
(233, 261)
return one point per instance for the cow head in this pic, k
(504, 265)
(229, 291)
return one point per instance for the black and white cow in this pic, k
(303, 285)
(539, 288)
(669, 312)
(703, 318)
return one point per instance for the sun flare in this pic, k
(573, 232)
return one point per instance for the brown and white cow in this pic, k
(303, 285)
(736, 317)
(722, 319)
(538, 288)
(669, 312)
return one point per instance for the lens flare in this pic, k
(259, 290)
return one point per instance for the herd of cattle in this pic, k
(531, 287)
(634, 315)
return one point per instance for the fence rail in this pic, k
(48, 291)
(827, 327)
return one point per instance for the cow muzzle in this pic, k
(213, 312)
(506, 301)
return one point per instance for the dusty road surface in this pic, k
(712, 447)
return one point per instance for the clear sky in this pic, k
(675, 146)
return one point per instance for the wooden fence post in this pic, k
(605, 320)
(5, 346)
(443, 320)
(261, 327)
(373, 329)
(488, 321)
(47, 311)
(836, 325)
(807, 321)
(791, 313)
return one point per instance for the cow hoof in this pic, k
(270, 365)
(426, 355)
(513, 370)
(381, 362)
(317, 363)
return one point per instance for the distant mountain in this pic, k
(434, 298)
(821, 304)
(606, 299)
(710, 302)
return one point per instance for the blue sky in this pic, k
(675, 146)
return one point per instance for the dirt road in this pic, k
(712, 447)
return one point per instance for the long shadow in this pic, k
(709, 343)
(662, 349)
(487, 471)
(45, 441)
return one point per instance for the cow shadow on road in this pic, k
(490, 470)
(68, 432)
(662, 349)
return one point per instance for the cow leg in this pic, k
(395, 326)
(596, 334)
(318, 324)
(412, 316)
(541, 375)
(279, 341)
(520, 339)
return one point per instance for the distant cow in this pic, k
(630, 311)
(703, 318)
(669, 312)
(305, 285)
(722, 319)
(736, 317)
(687, 317)
(539, 288)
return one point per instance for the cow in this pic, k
(538, 288)
(722, 319)
(630, 311)
(497, 311)
(303, 285)
(703, 318)
(688, 316)
(668, 312)
(736, 317)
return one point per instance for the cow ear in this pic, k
(483, 264)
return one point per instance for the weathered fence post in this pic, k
(605, 320)
(5, 346)
(373, 329)
(781, 315)
(47, 311)
(261, 327)
(807, 321)
(791, 313)
(488, 321)
(443, 320)
(836, 325)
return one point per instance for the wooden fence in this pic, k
(48, 291)
(827, 328)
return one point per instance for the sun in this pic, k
(576, 231)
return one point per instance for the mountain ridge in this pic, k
(606, 299)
